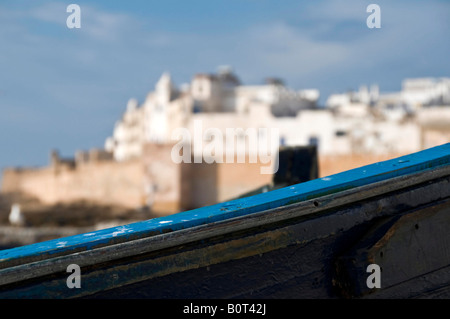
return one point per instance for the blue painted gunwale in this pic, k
(412, 163)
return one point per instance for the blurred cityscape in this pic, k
(134, 177)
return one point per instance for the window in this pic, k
(313, 140)
(340, 133)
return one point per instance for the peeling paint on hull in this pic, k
(291, 242)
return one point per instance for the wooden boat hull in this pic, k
(311, 240)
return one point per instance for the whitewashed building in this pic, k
(217, 100)
(361, 122)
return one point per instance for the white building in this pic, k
(218, 100)
(415, 94)
(426, 91)
(129, 133)
(362, 122)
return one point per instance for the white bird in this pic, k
(16, 217)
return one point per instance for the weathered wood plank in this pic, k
(320, 235)
(421, 161)
(149, 244)
(290, 238)
(408, 247)
(433, 285)
(418, 162)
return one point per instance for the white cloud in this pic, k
(334, 11)
(106, 26)
(288, 51)
(53, 12)
(88, 74)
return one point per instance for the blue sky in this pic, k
(65, 88)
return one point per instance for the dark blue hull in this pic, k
(311, 240)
